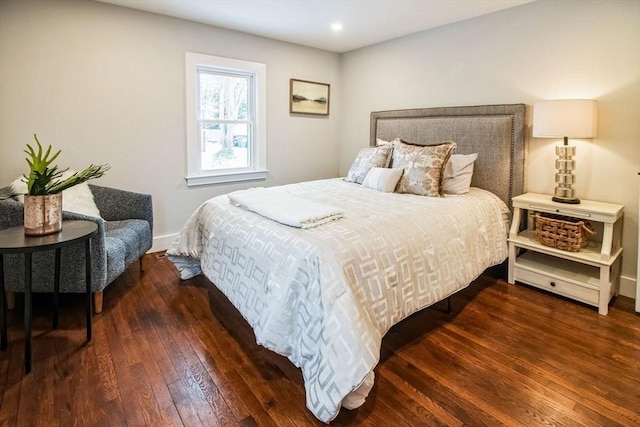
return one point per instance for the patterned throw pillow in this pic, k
(368, 158)
(423, 166)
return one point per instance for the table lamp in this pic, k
(565, 118)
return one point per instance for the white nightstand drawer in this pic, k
(564, 211)
(579, 292)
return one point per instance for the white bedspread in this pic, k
(324, 297)
(284, 207)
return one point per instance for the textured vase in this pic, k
(42, 214)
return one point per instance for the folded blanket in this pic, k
(285, 208)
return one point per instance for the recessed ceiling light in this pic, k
(336, 26)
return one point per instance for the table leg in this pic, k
(3, 308)
(27, 312)
(56, 288)
(87, 254)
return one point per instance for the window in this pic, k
(226, 119)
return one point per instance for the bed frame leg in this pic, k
(449, 310)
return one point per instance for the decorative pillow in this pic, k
(382, 179)
(368, 158)
(78, 198)
(423, 166)
(382, 142)
(458, 172)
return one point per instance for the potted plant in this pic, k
(43, 200)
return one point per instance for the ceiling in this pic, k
(308, 22)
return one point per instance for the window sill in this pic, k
(223, 178)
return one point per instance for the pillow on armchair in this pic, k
(78, 198)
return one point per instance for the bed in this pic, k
(325, 296)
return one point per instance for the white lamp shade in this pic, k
(574, 118)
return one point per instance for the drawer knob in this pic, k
(553, 284)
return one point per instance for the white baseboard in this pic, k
(162, 243)
(628, 287)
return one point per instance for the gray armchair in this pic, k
(125, 233)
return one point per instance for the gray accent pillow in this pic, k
(367, 158)
(423, 166)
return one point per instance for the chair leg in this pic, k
(97, 302)
(10, 299)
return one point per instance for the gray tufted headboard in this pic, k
(495, 132)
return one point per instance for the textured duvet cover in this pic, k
(324, 297)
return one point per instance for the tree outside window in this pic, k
(224, 120)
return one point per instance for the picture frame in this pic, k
(307, 97)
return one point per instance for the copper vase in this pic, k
(42, 214)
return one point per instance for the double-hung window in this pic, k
(226, 120)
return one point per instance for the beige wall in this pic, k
(542, 50)
(106, 84)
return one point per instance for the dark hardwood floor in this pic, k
(166, 352)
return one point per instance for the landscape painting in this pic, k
(307, 97)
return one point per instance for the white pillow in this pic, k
(382, 179)
(458, 173)
(78, 198)
(382, 142)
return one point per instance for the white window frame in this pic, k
(257, 97)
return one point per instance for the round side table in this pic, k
(14, 241)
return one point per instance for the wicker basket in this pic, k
(562, 232)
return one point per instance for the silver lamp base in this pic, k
(564, 177)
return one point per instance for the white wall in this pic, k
(106, 85)
(541, 50)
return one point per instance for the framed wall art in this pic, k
(307, 97)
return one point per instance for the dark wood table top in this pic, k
(13, 240)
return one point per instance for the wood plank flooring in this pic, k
(176, 353)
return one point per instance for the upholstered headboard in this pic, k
(495, 132)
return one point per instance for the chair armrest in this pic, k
(118, 205)
(11, 213)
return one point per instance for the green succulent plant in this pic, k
(43, 178)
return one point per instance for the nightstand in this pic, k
(591, 275)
